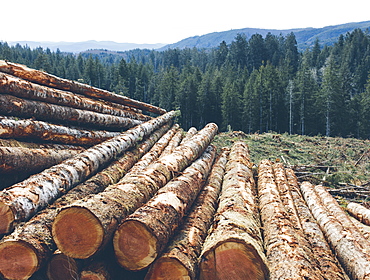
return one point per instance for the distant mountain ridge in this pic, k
(77, 47)
(305, 36)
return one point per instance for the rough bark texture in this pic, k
(326, 260)
(144, 234)
(349, 245)
(175, 141)
(23, 200)
(121, 200)
(43, 78)
(36, 233)
(31, 160)
(32, 145)
(15, 106)
(39, 130)
(360, 212)
(24, 89)
(233, 248)
(180, 259)
(190, 133)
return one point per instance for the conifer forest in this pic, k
(259, 84)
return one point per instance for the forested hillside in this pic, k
(261, 84)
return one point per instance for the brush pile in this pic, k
(95, 185)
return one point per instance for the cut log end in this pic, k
(77, 232)
(91, 276)
(61, 267)
(6, 218)
(134, 245)
(167, 268)
(18, 260)
(232, 260)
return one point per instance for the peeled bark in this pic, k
(23, 89)
(15, 106)
(29, 161)
(94, 219)
(46, 79)
(144, 234)
(35, 235)
(23, 200)
(61, 267)
(39, 130)
(350, 248)
(360, 212)
(326, 260)
(233, 248)
(180, 259)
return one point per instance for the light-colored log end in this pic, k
(167, 268)
(77, 232)
(88, 275)
(62, 267)
(18, 260)
(232, 260)
(134, 245)
(6, 218)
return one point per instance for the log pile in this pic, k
(95, 185)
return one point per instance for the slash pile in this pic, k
(92, 186)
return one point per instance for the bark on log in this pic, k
(121, 200)
(233, 248)
(360, 212)
(23, 200)
(350, 248)
(29, 161)
(189, 134)
(43, 78)
(33, 145)
(288, 252)
(144, 234)
(35, 238)
(14, 106)
(180, 259)
(23, 89)
(175, 141)
(62, 267)
(327, 262)
(39, 130)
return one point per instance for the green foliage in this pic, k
(258, 84)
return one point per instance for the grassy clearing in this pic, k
(340, 163)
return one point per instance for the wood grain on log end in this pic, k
(18, 260)
(134, 245)
(77, 232)
(168, 268)
(6, 218)
(232, 260)
(62, 267)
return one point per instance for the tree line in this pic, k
(259, 84)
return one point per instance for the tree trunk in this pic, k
(23, 200)
(33, 145)
(175, 141)
(233, 248)
(307, 241)
(43, 131)
(29, 161)
(360, 212)
(34, 239)
(144, 234)
(43, 78)
(61, 267)
(94, 219)
(190, 133)
(349, 245)
(23, 89)
(14, 106)
(180, 259)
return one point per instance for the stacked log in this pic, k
(234, 247)
(350, 245)
(180, 259)
(360, 212)
(94, 219)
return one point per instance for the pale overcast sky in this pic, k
(164, 21)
